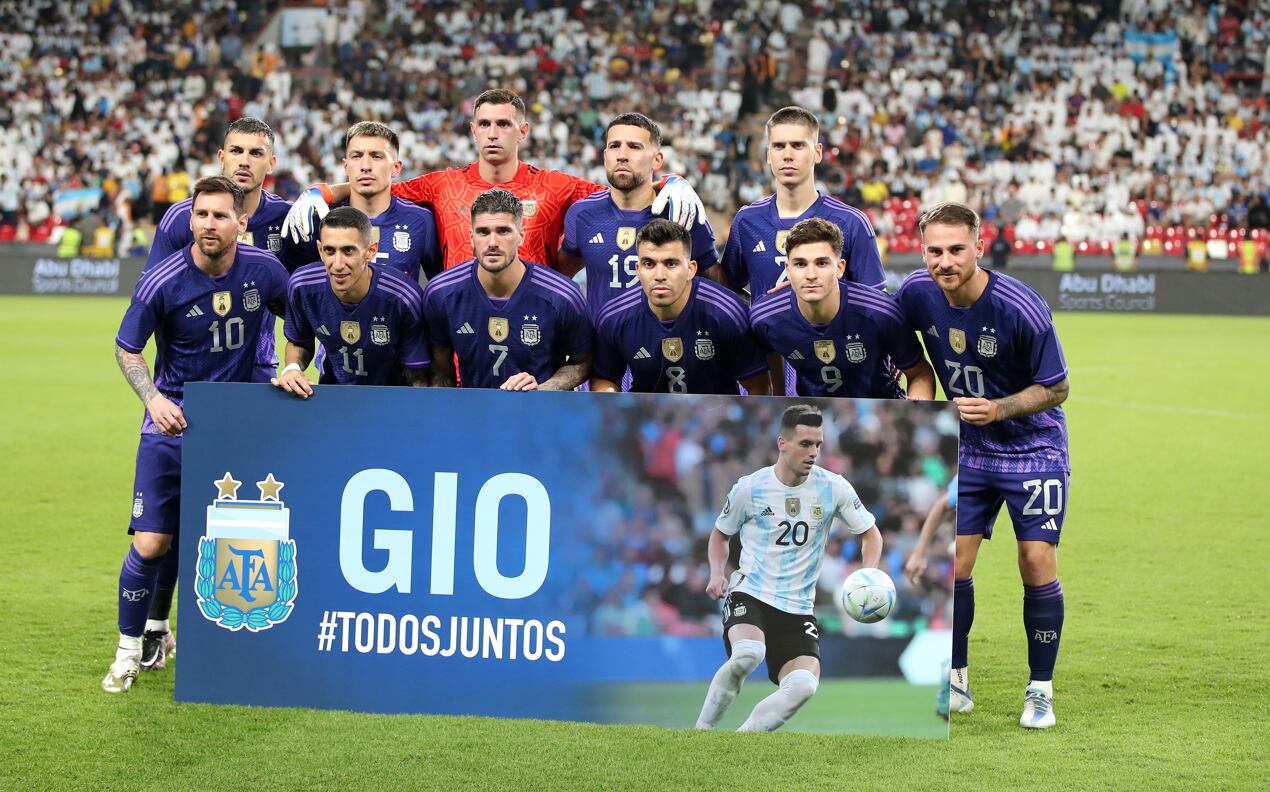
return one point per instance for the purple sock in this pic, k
(137, 582)
(1043, 620)
(161, 602)
(963, 617)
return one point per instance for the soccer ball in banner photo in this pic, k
(868, 595)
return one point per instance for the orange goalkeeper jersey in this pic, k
(546, 195)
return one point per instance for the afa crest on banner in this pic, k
(246, 569)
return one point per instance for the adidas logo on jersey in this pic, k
(195, 311)
(466, 329)
(1049, 525)
(767, 512)
(598, 239)
(795, 355)
(323, 331)
(932, 332)
(642, 354)
(760, 247)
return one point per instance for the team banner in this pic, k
(535, 554)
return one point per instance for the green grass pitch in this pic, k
(1161, 682)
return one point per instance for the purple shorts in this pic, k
(1037, 503)
(156, 491)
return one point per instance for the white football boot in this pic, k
(1038, 709)
(959, 697)
(122, 674)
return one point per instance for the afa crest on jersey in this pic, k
(672, 349)
(530, 334)
(379, 334)
(251, 300)
(274, 241)
(704, 349)
(246, 569)
(626, 237)
(138, 506)
(781, 236)
(856, 353)
(817, 512)
(824, 350)
(401, 241)
(530, 206)
(351, 332)
(222, 302)
(957, 340)
(987, 346)
(498, 328)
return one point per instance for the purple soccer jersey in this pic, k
(543, 323)
(997, 347)
(755, 252)
(603, 236)
(856, 355)
(369, 343)
(407, 237)
(707, 349)
(205, 328)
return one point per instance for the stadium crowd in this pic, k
(658, 504)
(1061, 118)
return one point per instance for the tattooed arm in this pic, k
(1029, 401)
(166, 415)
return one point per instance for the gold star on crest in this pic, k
(269, 488)
(228, 488)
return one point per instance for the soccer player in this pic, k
(498, 127)
(994, 347)
(915, 568)
(246, 157)
(405, 233)
(840, 338)
(677, 333)
(600, 231)
(783, 514)
(755, 253)
(369, 318)
(204, 305)
(514, 326)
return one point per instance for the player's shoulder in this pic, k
(918, 281)
(846, 215)
(874, 302)
(752, 212)
(1014, 297)
(310, 277)
(722, 301)
(396, 286)
(176, 218)
(453, 278)
(597, 203)
(752, 481)
(620, 309)
(547, 280)
(770, 307)
(259, 258)
(161, 275)
(836, 481)
(274, 201)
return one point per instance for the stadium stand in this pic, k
(1066, 119)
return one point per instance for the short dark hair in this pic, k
(950, 213)
(498, 201)
(220, 184)
(812, 230)
(662, 232)
(636, 120)
(348, 217)
(793, 115)
(372, 129)
(500, 96)
(251, 126)
(801, 415)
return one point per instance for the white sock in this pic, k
(129, 646)
(157, 625)
(746, 655)
(1047, 686)
(771, 713)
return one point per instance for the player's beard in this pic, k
(627, 182)
(214, 248)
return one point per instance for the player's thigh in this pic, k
(978, 503)
(742, 620)
(791, 637)
(156, 488)
(802, 662)
(1037, 503)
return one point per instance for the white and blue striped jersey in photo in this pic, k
(783, 533)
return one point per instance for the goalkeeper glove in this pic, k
(301, 221)
(674, 192)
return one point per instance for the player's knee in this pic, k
(1038, 560)
(150, 544)
(747, 654)
(800, 685)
